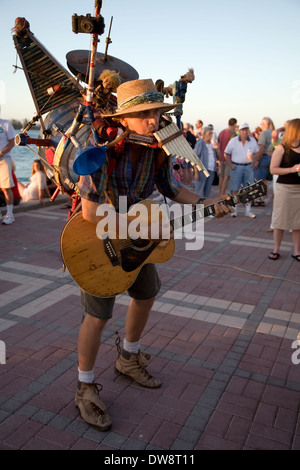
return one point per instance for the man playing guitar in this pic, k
(136, 170)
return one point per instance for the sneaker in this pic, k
(250, 215)
(234, 214)
(134, 365)
(91, 407)
(8, 219)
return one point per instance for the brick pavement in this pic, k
(220, 335)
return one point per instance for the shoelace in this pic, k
(99, 388)
(143, 368)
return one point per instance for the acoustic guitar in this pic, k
(105, 267)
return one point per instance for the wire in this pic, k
(237, 269)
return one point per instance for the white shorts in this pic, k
(6, 179)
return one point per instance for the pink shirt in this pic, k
(224, 138)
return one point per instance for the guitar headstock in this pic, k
(251, 192)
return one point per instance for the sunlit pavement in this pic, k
(222, 338)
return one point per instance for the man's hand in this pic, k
(221, 209)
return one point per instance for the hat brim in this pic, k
(163, 107)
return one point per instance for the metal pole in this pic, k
(90, 90)
(108, 41)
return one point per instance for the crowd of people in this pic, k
(240, 157)
(13, 191)
(235, 157)
(235, 146)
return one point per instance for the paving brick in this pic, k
(166, 435)
(147, 429)
(24, 434)
(12, 423)
(57, 437)
(212, 442)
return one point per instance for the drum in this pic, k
(58, 160)
(64, 158)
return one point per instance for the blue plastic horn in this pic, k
(89, 159)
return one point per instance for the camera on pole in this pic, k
(88, 24)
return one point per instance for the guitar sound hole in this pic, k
(140, 243)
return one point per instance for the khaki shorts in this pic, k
(6, 179)
(224, 169)
(146, 286)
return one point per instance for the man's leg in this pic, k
(89, 341)
(9, 199)
(224, 185)
(91, 407)
(132, 361)
(137, 317)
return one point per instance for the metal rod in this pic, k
(90, 89)
(108, 41)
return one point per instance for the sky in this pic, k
(245, 54)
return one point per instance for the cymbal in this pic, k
(78, 63)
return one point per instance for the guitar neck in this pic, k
(200, 213)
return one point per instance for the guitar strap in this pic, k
(159, 162)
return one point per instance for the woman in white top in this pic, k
(38, 184)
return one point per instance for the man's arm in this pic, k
(89, 209)
(186, 196)
(8, 147)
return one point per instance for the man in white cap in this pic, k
(136, 169)
(240, 153)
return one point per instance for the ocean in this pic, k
(23, 157)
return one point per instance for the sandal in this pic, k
(274, 256)
(296, 257)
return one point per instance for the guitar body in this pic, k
(91, 264)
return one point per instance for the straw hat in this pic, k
(139, 95)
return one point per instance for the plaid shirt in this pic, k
(99, 187)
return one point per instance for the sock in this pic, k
(248, 207)
(131, 347)
(86, 377)
(9, 209)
